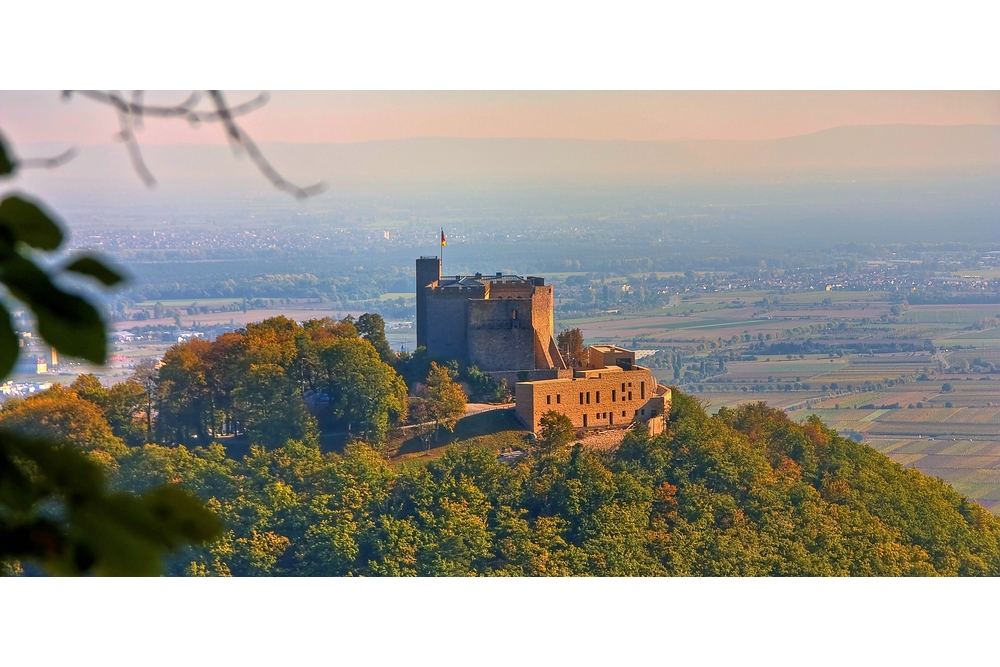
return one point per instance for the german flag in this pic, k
(443, 242)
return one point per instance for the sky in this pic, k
(32, 117)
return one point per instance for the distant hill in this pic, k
(884, 147)
(867, 151)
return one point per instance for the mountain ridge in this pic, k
(862, 149)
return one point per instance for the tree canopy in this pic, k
(746, 492)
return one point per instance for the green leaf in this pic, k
(6, 163)
(128, 534)
(9, 346)
(64, 469)
(179, 517)
(66, 321)
(106, 533)
(29, 223)
(95, 268)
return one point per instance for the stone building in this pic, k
(611, 392)
(498, 323)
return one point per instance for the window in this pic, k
(604, 415)
(614, 392)
(636, 413)
(548, 400)
(623, 388)
(581, 398)
(588, 398)
(513, 314)
(623, 413)
(644, 411)
(630, 384)
(630, 396)
(597, 397)
(585, 421)
(558, 398)
(597, 415)
(642, 391)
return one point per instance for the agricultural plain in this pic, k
(919, 383)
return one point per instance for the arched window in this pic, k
(513, 314)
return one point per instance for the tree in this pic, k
(125, 409)
(446, 398)
(555, 432)
(371, 326)
(364, 391)
(182, 392)
(121, 404)
(146, 375)
(271, 341)
(485, 388)
(270, 408)
(89, 388)
(422, 417)
(60, 415)
(570, 344)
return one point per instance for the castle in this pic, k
(504, 324)
(498, 323)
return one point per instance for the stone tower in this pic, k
(428, 273)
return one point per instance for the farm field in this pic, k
(934, 408)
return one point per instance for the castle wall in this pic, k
(508, 290)
(543, 320)
(446, 336)
(501, 334)
(501, 323)
(514, 376)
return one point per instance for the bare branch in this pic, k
(46, 162)
(131, 114)
(119, 102)
(185, 110)
(137, 105)
(134, 153)
(238, 136)
(238, 110)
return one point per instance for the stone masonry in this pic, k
(498, 323)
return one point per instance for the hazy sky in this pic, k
(346, 117)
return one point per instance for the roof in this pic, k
(610, 348)
(479, 279)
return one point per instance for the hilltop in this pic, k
(746, 492)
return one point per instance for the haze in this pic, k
(349, 117)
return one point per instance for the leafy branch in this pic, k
(55, 507)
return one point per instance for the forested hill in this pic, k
(746, 492)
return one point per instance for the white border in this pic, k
(497, 622)
(510, 45)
